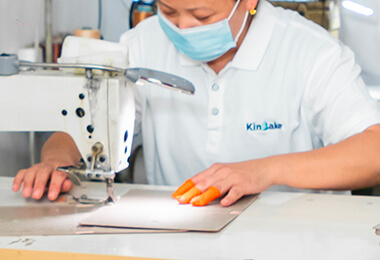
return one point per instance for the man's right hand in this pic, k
(35, 180)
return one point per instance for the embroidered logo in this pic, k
(265, 126)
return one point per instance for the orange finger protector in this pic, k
(186, 186)
(209, 195)
(185, 198)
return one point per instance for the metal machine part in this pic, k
(139, 76)
(8, 64)
(97, 111)
(142, 76)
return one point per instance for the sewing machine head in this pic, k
(96, 109)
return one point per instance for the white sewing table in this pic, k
(278, 225)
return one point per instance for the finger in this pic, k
(40, 183)
(206, 197)
(216, 176)
(19, 178)
(233, 195)
(186, 186)
(56, 183)
(66, 186)
(28, 182)
(185, 198)
(206, 174)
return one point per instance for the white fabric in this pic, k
(288, 71)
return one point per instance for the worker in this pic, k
(279, 105)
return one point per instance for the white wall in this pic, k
(115, 18)
(20, 23)
(362, 34)
(69, 15)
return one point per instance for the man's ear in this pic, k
(251, 6)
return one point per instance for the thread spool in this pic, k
(88, 33)
(139, 16)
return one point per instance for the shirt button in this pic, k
(215, 87)
(215, 111)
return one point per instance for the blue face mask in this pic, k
(203, 43)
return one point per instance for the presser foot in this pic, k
(111, 197)
(84, 200)
(74, 173)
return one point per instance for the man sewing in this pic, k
(279, 105)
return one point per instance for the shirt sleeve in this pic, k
(336, 100)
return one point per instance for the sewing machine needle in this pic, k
(111, 198)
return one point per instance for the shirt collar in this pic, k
(256, 41)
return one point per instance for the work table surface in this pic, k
(278, 225)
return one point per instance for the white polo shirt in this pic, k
(290, 88)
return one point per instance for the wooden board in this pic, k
(17, 254)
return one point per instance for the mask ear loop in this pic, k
(244, 22)
(233, 10)
(242, 27)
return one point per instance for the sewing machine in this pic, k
(96, 109)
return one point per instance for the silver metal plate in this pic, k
(41, 219)
(54, 219)
(155, 209)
